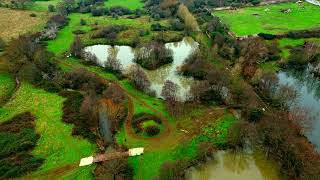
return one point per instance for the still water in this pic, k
(230, 165)
(308, 87)
(125, 55)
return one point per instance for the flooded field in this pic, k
(235, 166)
(125, 55)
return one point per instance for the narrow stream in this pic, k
(104, 125)
(229, 165)
(125, 54)
(308, 87)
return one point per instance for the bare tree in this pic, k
(77, 47)
(303, 117)
(169, 91)
(139, 78)
(286, 96)
(268, 84)
(198, 90)
(113, 63)
(153, 55)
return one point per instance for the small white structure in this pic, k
(86, 161)
(136, 151)
(111, 156)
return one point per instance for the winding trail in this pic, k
(128, 122)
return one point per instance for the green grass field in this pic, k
(6, 87)
(130, 4)
(286, 44)
(65, 36)
(56, 144)
(148, 165)
(42, 5)
(269, 19)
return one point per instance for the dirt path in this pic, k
(128, 122)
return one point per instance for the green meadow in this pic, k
(270, 19)
(56, 144)
(130, 4)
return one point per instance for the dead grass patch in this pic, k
(16, 22)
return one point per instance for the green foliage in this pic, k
(269, 19)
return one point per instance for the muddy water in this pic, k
(104, 125)
(235, 166)
(125, 55)
(308, 87)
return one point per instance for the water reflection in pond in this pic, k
(235, 166)
(308, 87)
(125, 55)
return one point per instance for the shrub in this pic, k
(78, 31)
(81, 79)
(17, 139)
(176, 25)
(29, 60)
(57, 21)
(97, 12)
(120, 11)
(196, 66)
(77, 47)
(51, 8)
(152, 130)
(139, 78)
(143, 32)
(71, 114)
(255, 114)
(33, 15)
(83, 22)
(89, 58)
(158, 27)
(267, 36)
(110, 33)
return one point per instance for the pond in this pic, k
(308, 87)
(232, 165)
(125, 55)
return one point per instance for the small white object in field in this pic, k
(185, 131)
(136, 151)
(86, 161)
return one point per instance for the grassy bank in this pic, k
(6, 87)
(56, 144)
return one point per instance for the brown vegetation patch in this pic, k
(17, 123)
(72, 114)
(17, 22)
